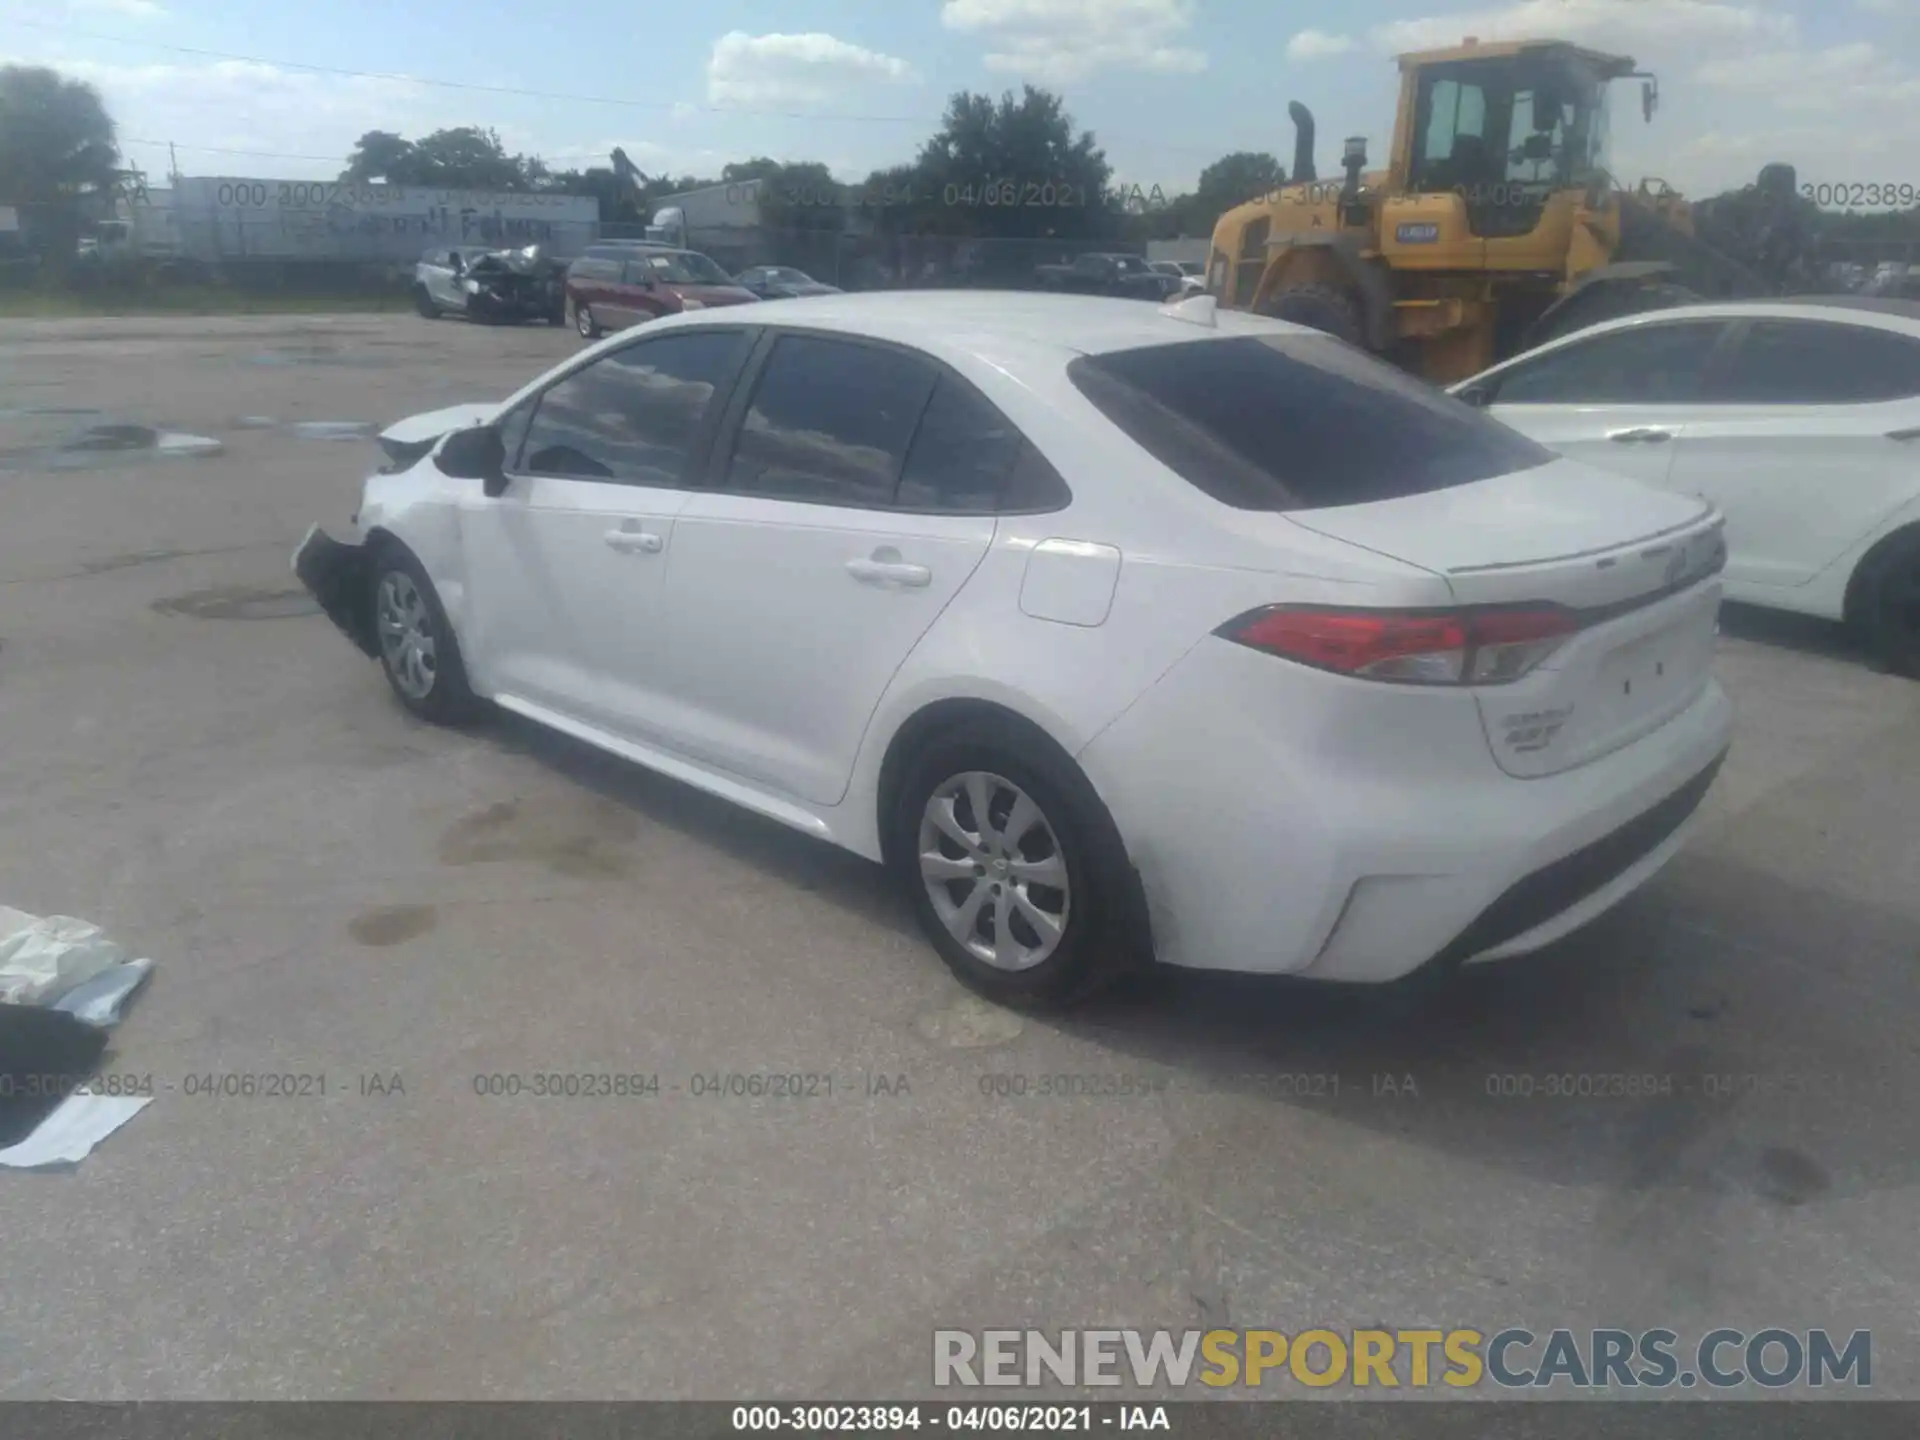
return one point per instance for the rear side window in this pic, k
(962, 453)
(1803, 362)
(830, 423)
(1646, 365)
(1296, 422)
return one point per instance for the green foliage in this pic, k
(57, 148)
(464, 158)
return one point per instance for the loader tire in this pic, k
(1319, 307)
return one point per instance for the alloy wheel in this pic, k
(994, 870)
(406, 635)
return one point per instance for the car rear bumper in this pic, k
(339, 575)
(1287, 821)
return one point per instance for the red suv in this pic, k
(613, 286)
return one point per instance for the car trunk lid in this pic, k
(1638, 567)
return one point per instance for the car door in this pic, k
(1808, 439)
(1619, 399)
(440, 279)
(799, 582)
(565, 567)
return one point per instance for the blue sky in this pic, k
(1832, 86)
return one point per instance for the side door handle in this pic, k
(1911, 433)
(1640, 435)
(628, 541)
(885, 567)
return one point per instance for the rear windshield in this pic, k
(1296, 422)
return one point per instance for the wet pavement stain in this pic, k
(1789, 1177)
(238, 602)
(586, 837)
(392, 924)
(968, 1023)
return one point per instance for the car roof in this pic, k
(1875, 311)
(1001, 327)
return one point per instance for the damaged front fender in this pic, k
(340, 576)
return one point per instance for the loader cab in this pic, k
(1506, 128)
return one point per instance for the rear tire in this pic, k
(584, 323)
(419, 653)
(1886, 604)
(1320, 307)
(423, 304)
(1040, 919)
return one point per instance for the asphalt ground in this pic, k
(194, 758)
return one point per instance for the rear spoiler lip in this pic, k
(1714, 521)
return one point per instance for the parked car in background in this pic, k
(781, 282)
(439, 280)
(1190, 274)
(612, 287)
(1124, 276)
(1800, 419)
(1395, 685)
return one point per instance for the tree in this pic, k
(1014, 168)
(379, 155)
(463, 158)
(57, 149)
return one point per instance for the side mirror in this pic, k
(1474, 395)
(475, 454)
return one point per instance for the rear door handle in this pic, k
(876, 571)
(1642, 435)
(628, 541)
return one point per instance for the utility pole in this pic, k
(173, 165)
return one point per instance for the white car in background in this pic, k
(1799, 419)
(1117, 631)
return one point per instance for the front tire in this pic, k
(1014, 869)
(1888, 604)
(419, 654)
(584, 322)
(423, 304)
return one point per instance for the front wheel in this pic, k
(418, 652)
(423, 304)
(584, 322)
(1014, 869)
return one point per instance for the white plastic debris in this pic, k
(98, 1001)
(44, 956)
(68, 1135)
(331, 429)
(181, 445)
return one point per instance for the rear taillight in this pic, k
(1484, 646)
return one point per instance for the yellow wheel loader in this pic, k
(1495, 225)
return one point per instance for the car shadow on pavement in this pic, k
(1807, 634)
(1719, 1031)
(838, 875)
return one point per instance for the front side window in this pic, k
(1801, 362)
(1646, 365)
(1296, 422)
(633, 417)
(830, 423)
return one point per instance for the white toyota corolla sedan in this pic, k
(1118, 632)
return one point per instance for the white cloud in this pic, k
(808, 69)
(1682, 25)
(125, 9)
(1317, 45)
(1057, 42)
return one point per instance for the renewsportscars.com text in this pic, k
(1511, 1358)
